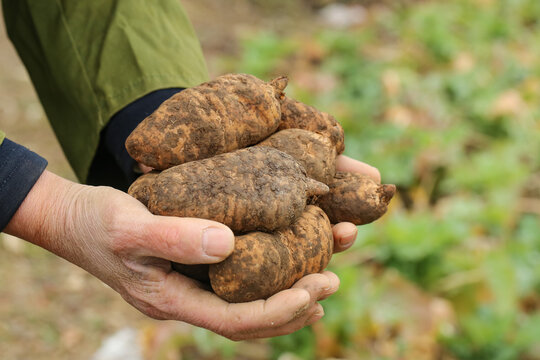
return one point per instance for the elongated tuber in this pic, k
(355, 198)
(313, 151)
(231, 112)
(297, 115)
(257, 188)
(263, 264)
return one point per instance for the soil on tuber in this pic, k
(297, 115)
(231, 112)
(313, 151)
(355, 198)
(263, 264)
(257, 188)
(140, 188)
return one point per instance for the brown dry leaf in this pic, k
(463, 62)
(391, 81)
(408, 315)
(399, 115)
(314, 81)
(71, 337)
(327, 343)
(155, 339)
(509, 103)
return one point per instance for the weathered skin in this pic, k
(231, 112)
(257, 188)
(140, 189)
(297, 115)
(263, 264)
(313, 151)
(355, 198)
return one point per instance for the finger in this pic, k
(184, 240)
(316, 315)
(334, 285)
(347, 164)
(145, 169)
(183, 300)
(344, 236)
(318, 285)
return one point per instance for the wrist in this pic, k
(41, 218)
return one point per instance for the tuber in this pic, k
(231, 112)
(257, 188)
(313, 151)
(140, 188)
(297, 115)
(355, 198)
(263, 264)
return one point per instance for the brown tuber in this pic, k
(231, 112)
(140, 188)
(263, 264)
(297, 115)
(257, 188)
(313, 151)
(355, 198)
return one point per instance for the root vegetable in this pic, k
(257, 188)
(231, 112)
(355, 198)
(140, 189)
(313, 151)
(263, 264)
(297, 115)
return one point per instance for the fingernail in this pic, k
(347, 240)
(217, 242)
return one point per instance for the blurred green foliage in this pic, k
(444, 98)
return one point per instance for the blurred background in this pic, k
(442, 96)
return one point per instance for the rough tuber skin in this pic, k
(263, 264)
(231, 112)
(313, 151)
(297, 115)
(355, 198)
(257, 188)
(140, 188)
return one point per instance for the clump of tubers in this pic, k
(263, 264)
(355, 198)
(257, 188)
(219, 116)
(237, 151)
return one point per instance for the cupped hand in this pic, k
(345, 232)
(115, 238)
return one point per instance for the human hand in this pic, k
(345, 232)
(115, 238)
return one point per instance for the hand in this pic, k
(345, 232)
(115, 238)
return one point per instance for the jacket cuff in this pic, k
(125, 121)
(20, 168)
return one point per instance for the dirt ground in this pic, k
(49, 308)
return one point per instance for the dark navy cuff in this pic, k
(125, 121)
(20, 168)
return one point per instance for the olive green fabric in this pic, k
(2, 137)
(89, 58)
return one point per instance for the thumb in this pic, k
(186, 240)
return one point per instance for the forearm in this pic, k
(43, 213)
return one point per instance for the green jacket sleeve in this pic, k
(89, 58)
